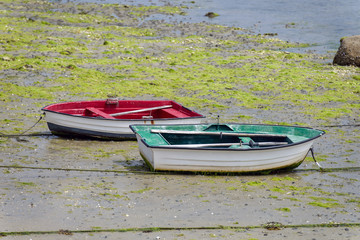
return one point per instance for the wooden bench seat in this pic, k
(175, 113)
(99, 112)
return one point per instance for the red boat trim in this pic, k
(126, 120)
(176, 112)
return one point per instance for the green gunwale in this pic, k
(294, 133)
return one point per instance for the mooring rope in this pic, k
(23, 133)
(313, 155)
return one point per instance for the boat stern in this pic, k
(146, 152)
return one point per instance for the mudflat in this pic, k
(61, 188)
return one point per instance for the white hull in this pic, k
(216, 160)
(103, 128)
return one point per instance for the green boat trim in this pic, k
(160, 136)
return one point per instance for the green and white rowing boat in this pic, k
(225, 147)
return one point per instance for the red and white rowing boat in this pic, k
(110, 119)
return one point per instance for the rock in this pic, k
(348, 52)
(211, 15)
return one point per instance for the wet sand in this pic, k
(58, 188)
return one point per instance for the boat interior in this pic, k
(108, 112)
(225, 141)
(153, 114)
(225, 136)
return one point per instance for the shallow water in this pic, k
(321, 23)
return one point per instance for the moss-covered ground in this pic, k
(87, 51)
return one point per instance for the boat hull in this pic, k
(172, 153)
(68, 125)
(208, 160)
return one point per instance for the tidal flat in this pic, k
(59, 188)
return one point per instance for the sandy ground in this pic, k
(58, 188)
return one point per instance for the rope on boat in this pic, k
(23, 133)
(313, 155)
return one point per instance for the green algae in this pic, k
(279, 179)
(323, 199)
(293, 199)
(283, 209)
(356, 201)
(25, 184)
(325, 204)
(256, 183)
(142, 190)
(277, 189)
(98, 58)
